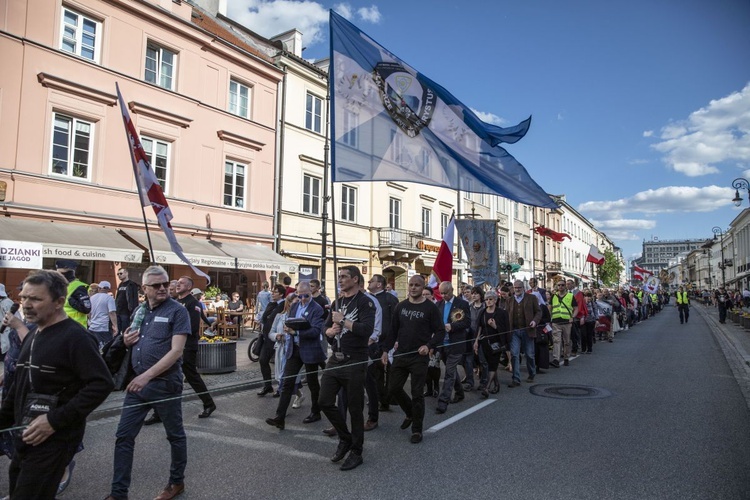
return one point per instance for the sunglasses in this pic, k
(304, 295)
(156, 286)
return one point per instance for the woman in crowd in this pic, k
(475, 307)
(492, 335)
(283, 342)
(592, 314)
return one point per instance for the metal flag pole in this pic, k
(137, 183)
(324, 215)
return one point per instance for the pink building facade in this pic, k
(204, 103)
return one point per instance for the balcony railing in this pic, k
(400, 238)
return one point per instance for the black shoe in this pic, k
(207, 411)
(276, 422)
(513, 384)
(530, 379)
(406, 423)
(566, 362)
(468, 388)
(427, 394)
(153, 419)
(330, 432)
(440, 410)
(485, 394)
(277, 394)
(538, 371)
(265, 390)
(554, 363)
(457, 399)
(416, 437)
(341, 451)
(313, 417)
(352, 462)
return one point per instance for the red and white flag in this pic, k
(149, 189)
(442, 269)
(641, 271)
(595, 256)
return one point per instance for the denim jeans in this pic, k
(162, 395)
(519, 337)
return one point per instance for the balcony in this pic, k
(398, 244)
(554, 267)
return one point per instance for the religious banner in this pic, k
(479, 238)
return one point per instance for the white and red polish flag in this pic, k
(595, 256)
(149, 189)
(641, 271)
(442, 269)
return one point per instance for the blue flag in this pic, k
(479, 238)
(391, 123)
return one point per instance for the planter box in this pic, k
(219, 357)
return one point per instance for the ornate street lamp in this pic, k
(717, 230)
(737, 184)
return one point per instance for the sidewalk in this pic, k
(246, 377)
(734, 341)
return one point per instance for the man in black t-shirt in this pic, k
(126, 299)
(419, 330)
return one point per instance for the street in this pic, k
(668, 421)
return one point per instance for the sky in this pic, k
(640, 109)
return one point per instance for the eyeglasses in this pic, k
(518, 287)
(156, 286)
(303, 295)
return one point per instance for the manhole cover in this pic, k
(569, 391)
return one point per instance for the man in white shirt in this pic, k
(103, 315)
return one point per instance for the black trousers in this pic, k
(36, 471)
(190, 370)
(587, 336)
(266, 353)
(575, 335)
(722, 313)
(403, 366)
(349, 375)
(291, 369)
(373, 395)
(684, 312)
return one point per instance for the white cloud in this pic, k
(624, 224)
(560, 117)
(489, 117)
(662, 200)
(638, 161)
(370, 14)
(719, 132)
(272, 17)
(648, 133)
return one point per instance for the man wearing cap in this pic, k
(103, 316)
(77, 302)
(126, 299)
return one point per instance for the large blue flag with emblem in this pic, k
(391, 123)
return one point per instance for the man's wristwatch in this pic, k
(341, 323)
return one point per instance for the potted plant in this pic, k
(211, 292)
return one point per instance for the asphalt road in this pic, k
(671, 423)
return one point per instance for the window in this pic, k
(395, 213)
(239, 99)
(515, 210)
(314, 113)
(71, 146)
(426, 217)
(234, 184)
(348, 201)
(79, 35)
(444, 221)
(501, 244)
(158, 154)
(351, 126)
(525, 214)
(160, 66)
(311, 195)
(525, 250)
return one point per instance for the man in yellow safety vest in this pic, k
(683, 304)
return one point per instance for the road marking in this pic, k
(456, 418)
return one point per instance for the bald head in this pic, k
(446, 290)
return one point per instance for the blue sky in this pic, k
(641, 109)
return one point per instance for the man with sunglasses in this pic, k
(156, 351)
(126, 299)
(305, 351)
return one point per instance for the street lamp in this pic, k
(707, 251)
(717, 230)
(737, 184)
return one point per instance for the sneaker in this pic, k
(298, 400)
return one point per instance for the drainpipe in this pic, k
(279, 193)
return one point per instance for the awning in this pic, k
(213, 253)
(71, 241)
(312, 256)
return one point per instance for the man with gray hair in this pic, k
(523, 315)
(156, 349)
(457, 319)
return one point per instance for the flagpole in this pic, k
(324, 215)
(138, 185)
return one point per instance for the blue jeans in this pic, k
(135, 409)
(123, 321)
(520, 336)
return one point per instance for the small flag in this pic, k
(150, 190)
(595, 256)
(549, 233)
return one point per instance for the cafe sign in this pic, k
(20, 255)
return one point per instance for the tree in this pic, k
(609, 272)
